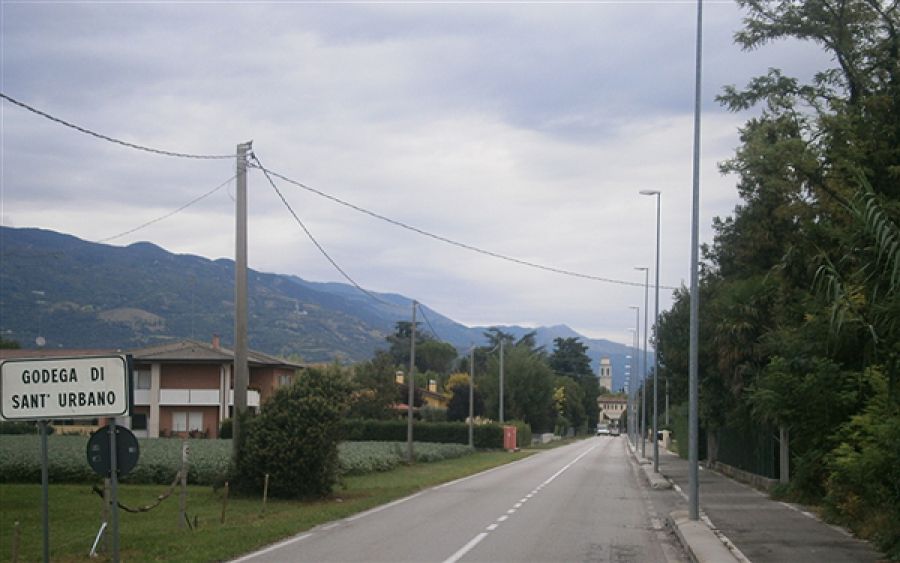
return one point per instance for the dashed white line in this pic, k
(477, 539)
(466, 548)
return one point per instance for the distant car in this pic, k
(603, 430)
(614, 431)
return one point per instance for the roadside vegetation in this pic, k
(799, 292)
(75, 513)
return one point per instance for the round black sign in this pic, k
(127, 451)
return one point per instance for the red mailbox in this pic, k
(509, 438)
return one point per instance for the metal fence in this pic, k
(751, 447)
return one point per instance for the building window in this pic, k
(284, 380)
(187, 421)
(139, 422)
(143, 379)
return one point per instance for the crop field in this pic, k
(160, 458)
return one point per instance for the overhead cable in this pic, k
(311, 237)
(446, 240)
(424, 316)
(167, 215)
(113, 139)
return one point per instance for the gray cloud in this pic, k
(524, 129)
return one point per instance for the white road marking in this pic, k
(466, 548)
(382, 507)
(271, 548)
(477, 539)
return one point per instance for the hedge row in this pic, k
(485, 436)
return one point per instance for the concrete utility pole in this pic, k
(501, 380)
(472, 398)
(411, 385)
(693, 384)
(636, 370)
(241, 369)
(644, 372)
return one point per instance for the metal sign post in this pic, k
(45, 389)
(113, 489)
(45, 491)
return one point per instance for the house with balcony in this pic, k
(182, 387)
(188, 386)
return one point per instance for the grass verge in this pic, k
(75, 514)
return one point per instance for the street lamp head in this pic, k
(633, 307)
(641, 268)
(649, 192)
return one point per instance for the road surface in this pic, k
(581, 502)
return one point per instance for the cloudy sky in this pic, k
(526, 129)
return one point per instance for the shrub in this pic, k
(20, 427)
(295, 438)
(863, 486)
(226, 429)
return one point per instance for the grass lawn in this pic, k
(75, 514)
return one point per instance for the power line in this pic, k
(312, 238)
(167, 215)
(446, 240)
(112, 139)
(424, 316)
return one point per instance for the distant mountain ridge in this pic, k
(69, 293)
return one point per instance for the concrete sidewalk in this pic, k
(761, 529)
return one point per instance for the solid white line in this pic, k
(271, 548)
(331, 526)
(485, 472)
(466, 548)
(382, 507)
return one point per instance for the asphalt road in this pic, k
(581, 502)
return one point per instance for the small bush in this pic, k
(295, 438)
(226, 430)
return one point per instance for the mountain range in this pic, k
(59, 291)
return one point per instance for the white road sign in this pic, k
(49, 388)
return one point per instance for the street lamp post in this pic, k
(656, 344)
(693, 348)
(644, 372)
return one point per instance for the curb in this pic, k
(698, 539)
(658, 481)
